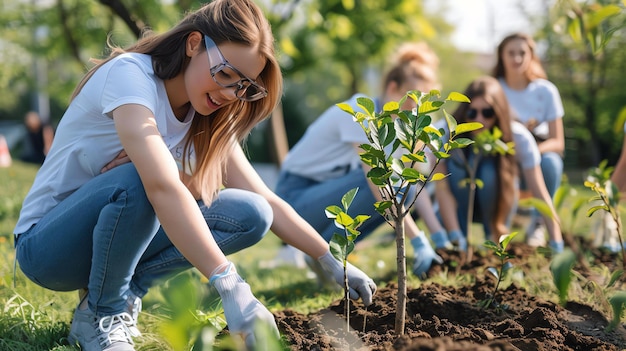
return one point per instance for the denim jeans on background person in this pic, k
(552, 169)
(485, 199)
(310, 198)
(110, 222)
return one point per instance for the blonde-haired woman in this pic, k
(130, 193)
(324, 164)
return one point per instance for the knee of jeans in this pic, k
(260, 213)
(132, 190)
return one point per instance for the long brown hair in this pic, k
(535, 70)
(491, 90)
(237, 21)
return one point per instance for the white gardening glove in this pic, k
(241, 309)
(360, 285)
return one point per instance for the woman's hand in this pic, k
(120, 159)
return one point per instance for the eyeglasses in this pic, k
(227, 76)
(472, 113)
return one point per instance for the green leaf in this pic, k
(391, 106)
(438, 176)
(450, 121)
(491, 245)
(382, 206)
(344, 219)
(479, 183)
(506, 239)
(593, 210)
(346, 108)
(412, 174)
(468, 127)
(397, 166)
(457, 97)
(561, 268)
(366, 104)
(332, 211)
(538, 204)
(338, 245)
(617, 274)
(618, 302)
(348, 197)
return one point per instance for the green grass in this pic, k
(38, 319)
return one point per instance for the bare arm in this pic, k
(287, 225)
(173, 203)
(536, 184)
(48, 136)
(556, 138)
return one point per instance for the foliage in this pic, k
(500, 250)
(561, 268)
(342, 245)
(398, 140)
(279, 288)
(608, 196)
(618, 302)
(486, 143)
(585, 59)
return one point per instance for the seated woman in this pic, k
(495, 202)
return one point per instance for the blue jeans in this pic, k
(106, 237)
(552, 169)
(485, 199)
(310, 198)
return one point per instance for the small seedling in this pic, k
(500, 250)
(486, 143)
(561, 268)
(341, 245)
(599, 180)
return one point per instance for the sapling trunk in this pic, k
(401, 263)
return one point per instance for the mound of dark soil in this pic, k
(446, 318)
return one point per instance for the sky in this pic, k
(481, 24)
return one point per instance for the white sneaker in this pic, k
(536, 233)
(133, 307)
(108, 333)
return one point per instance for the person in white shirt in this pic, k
(536, 103)
(131, 192)
(496, 201)
(325, 164)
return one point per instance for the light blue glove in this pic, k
(423, 256)
(458, 239)
(360, 285)
(557, 246)
(241, 309)
(440, 239)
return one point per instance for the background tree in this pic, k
(589, 70)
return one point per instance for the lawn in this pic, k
(38, 319)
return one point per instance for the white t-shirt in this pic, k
(86, 139)
(326, 149)
(539, 101)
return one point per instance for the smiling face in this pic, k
(204, 93)
(516, 57)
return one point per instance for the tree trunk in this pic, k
(401, 262)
